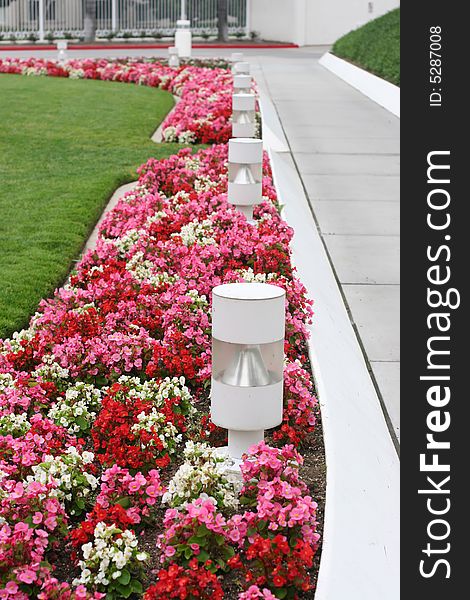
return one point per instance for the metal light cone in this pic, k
(244, 175)
(247, 369)
(242, 117)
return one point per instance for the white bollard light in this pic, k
(248, 328)
(62, 51)
(241, 83)
(241, 68)
(243, 115)
(183, 38)
(236, 58)
(173, 57)
(245, 174)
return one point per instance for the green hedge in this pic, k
(374, 47)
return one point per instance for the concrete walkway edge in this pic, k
(383, 92)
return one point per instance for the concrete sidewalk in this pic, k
(346, 150)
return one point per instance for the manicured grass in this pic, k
(65, 146)
(374, 47)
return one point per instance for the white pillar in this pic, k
(183, 10)
(300, 17)
(114, 15)
(248, 18)
(41, 20)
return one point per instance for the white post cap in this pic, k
(248, 313)
(245, 151)
(183, 24)
(242, 67)
(62, 45)
(243, 102)
(242, 82)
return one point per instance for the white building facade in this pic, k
(312, 22)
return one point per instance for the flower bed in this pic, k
(107, 467)
(202, 115)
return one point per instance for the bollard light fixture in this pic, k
(235, 58)
(173, 57)
(62, 51)
(241, 68)
(245, 174)
(248, 328)
(241, 84)
(183, 38)
(243, 115)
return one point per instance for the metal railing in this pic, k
(47, 18)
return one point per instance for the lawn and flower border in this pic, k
(272, 256)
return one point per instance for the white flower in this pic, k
(197, 232)
(204, 473)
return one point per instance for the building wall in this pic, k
(313, 22)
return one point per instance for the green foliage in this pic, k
(66, 145)
(374, 47)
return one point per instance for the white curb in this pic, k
(157, 136)
(360, 555)
(383, 92)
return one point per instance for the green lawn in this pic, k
(65, 146)
(374, 47)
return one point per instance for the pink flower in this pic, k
(11, 587)
(27, 576)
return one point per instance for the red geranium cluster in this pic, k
(277, 565)
(191, 583)
(116, 438)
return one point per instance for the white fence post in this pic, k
(41, 20)
(114, 15)
(248, 18)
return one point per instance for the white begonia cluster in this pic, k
(250, 276)
(203, 184)
(192, 163)
(50, 370)
(169, 134)
(6, 381)
(14, 343)
(128, 240)
(68, 471)
(204, 472)
(197, 232)
(76, 73)
(145, 270)
(14, 425)
(104, 559)
(187, 137)
(198, 300)
(78, 409)
(137, 192)
(157, 421)
(157, 391)
(29, 71)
